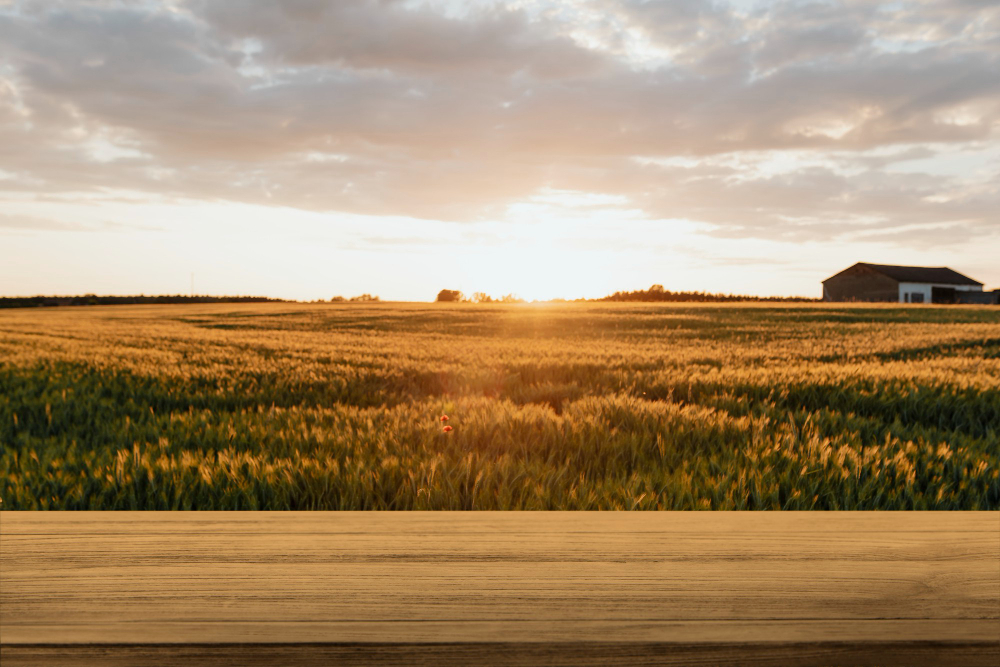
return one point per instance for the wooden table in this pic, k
(573, 588)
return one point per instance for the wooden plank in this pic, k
(665, 588)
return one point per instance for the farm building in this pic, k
(904, 284)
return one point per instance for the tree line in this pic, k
(361, 298)
(654, 293)
(95, 300)
(456, 296)
(657, 293)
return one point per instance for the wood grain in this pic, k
(508, 588)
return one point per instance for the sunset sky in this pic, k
(551, 149)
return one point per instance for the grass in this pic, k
(573, 406)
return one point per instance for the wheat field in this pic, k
(555, 406)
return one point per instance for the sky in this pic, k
(304, 149)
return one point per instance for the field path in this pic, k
(761, 588)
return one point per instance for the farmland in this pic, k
(556, 406)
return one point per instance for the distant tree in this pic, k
(95, 300)
(482, 297)
(337, 299)
(450, 295)
(364, 298)
(510, 298)
(657, 293)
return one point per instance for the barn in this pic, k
(902, 284)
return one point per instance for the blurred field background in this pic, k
(555, 406)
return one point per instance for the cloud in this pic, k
(487, 42)
(457, 114)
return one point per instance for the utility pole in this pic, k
(192, 284)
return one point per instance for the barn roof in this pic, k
(918, 274)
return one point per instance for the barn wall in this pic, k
(925, 289)
(860, 283)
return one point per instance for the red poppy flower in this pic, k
(444, 418)
(447, 429)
